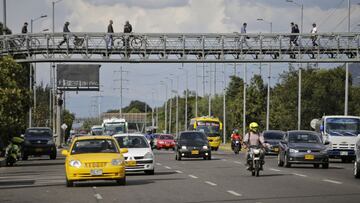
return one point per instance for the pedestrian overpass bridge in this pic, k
(182, 47)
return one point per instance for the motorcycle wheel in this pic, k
(257, 168)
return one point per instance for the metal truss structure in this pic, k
(183, 47)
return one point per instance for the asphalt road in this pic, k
(223, 179)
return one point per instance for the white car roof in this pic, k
(128, 135)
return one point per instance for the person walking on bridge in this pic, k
(244, 37)
(314, 37)
(110, 29)
(24, 29)
(66, 36)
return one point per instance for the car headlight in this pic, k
(293, 150)
(75, 163)
(161, 142)
(149, 155)
(183, 147)
(117, 162)
(205, 147)
(50, 142)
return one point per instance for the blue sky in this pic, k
(171, 16)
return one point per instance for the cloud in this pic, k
(149, 4)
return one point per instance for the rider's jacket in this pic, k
(235, 136)
(252, 138)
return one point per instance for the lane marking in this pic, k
(167, 167)
(301, 175)
(332, 181)
(211, 183)
(98, 196)
(274, 169)
(237, 162)
(192, 176)
(223, 160)
(234, 193)
(178, 171)
(159, 164)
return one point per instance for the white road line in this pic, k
(237, 162)
(98, 196)
(211, 183)
(301, 175)
(273, 169)
(159, 164)
(223, 160)
(192, 176)
(332, 181)
(179, 172)
(234, 193)
(167, 167)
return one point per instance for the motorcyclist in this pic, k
(234, 137)
(150, 137)
(254, 139)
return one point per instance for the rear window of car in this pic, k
(94, 146)
(193, 136)
(166, 137)
(304, 138)
(132, 142)
(38, 132)
(273, 135)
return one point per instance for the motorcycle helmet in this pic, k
(254, 127)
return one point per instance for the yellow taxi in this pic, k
(94, 158)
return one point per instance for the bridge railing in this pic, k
(182, 45)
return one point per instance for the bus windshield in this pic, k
(343, 126)
(114, 128)
(211, 129)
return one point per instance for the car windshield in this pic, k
(97, 132)
(132, 142)
(343, 126)
(166, 137)
(38, 132)
(94, 146)
(114, 128)
(273, 135)
(304, 138)
(194, 137)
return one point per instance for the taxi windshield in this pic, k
(94, 146)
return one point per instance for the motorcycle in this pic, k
(13, 151)
(255, 160)
(236, 146)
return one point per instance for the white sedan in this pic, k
(140, 156)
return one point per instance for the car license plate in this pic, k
(276, 149)
(38, 150)
(195, 152)
(309, 157)
(96, 172)
(345, 153)
(130, 163)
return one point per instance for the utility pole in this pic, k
(299, 101)
(196, 92)
(170, 106)
(166, 104)
(210, 78)
(268, 99)
(121, 80)
(347, 68)
(244, 99)
(224, 105)
(152, 111)
(4, 17)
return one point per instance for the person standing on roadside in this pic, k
(110, 29)
(314, 37)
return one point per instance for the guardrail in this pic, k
(182, 47)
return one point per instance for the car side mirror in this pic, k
(65, 152)
(326, 143)
(124, 150)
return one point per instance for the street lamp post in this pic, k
(170, 106)
(268, 86)
(166, 101)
